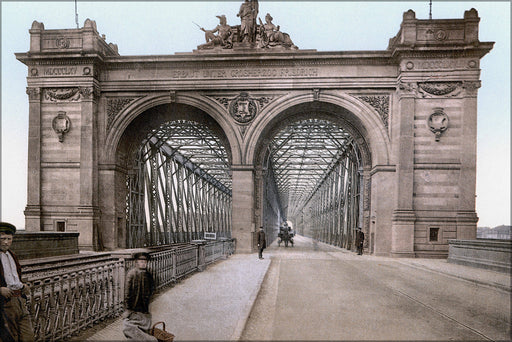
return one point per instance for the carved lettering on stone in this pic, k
(114, 107)
(427, 89)
(380, 103)
(62, 94)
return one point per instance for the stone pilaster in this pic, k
(33, 209)
(402, 230)
(243, 207)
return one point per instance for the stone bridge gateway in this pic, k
(411, 110)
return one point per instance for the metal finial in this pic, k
(430, 13)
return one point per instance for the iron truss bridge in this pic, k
(315, 165)
(181, 186)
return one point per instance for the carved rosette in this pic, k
(380, 103)
(431, 89)
(115, 106)
(61, 94)
(61, 125)
(438, 122)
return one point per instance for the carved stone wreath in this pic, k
(62, 94)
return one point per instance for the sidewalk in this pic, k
(215, 304)
(209, 305)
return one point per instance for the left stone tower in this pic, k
(64, 67)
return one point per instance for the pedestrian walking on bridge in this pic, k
(139, 288)
(359, 241)
(262, 242)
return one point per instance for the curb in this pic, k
(237, 334)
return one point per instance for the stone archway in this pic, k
(413, 105)
(374, 148)
(137, 122)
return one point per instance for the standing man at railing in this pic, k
(139, 288)
(13, 293)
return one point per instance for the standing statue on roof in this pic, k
(248, 14)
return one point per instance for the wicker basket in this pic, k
(161, 334)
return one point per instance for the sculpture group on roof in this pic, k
(248, 34)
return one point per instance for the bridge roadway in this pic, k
(314, 291)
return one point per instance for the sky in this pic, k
(167, 27)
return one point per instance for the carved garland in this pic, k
(440, 88)
(380, 103)
(114, 107)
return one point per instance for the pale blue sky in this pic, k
(147, 28)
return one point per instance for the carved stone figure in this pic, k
(248, 13)
(224, 37)
(270, 36)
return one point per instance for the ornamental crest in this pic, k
(243, 108)
(438, 122)
(61, 125)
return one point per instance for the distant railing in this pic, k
(66, 297)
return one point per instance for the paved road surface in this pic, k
(316, 292)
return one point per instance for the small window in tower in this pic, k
(434, 234)
(61, 226)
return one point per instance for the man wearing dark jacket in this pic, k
(17, 325)
(139, 287)
(262, 242)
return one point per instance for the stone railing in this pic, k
(70, 295)
(494, 255)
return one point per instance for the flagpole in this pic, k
(76, 14)
(430, 13)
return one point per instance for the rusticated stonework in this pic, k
(114, 107)
(380, 103)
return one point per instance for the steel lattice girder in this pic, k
(181, 187)
(303, 155)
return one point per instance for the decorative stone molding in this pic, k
(438, 122)
(471, 87)
(115, 106)
(380, 103)
(427, 89)
(61, 125)
(172, 95)
(62, 94)
(86, 92)
(34, 93)
(243, 108)
(407, 88)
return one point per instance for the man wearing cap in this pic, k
(13, 299)
(139, 287)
